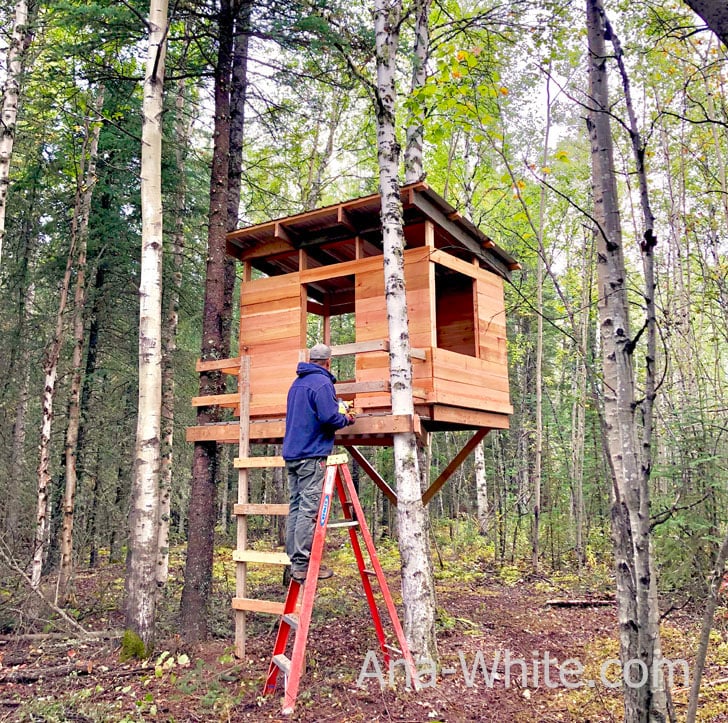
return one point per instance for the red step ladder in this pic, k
(297, 619)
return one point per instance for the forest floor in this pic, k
(488, 620)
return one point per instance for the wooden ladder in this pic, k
(296, 615)
(242, 555)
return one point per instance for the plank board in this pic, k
(258, 606)
(260, 509)
(469, 417)
(263, 557)
(258, 462)
(219, 400)
(227, 366)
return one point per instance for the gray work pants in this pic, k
(305, 483)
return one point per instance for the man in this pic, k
(312, 417)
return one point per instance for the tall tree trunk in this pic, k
(418, 592)
(92, 351)
(215, 345)
(578, 415)
(143, 555)
(50, 369)
(413, 162)
(639, 638)
(319, 160)
(87, 179)
(659, 694)
(481, 490)
(18, 460)
(715, 15)
(19, 42)
(169, 336)
(538, 422)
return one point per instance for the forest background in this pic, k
(503, 109)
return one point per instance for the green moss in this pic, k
(132, 646)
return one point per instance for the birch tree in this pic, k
(413, 161)
(715, 15)
(19, 42)
(87, 179)
(50, 370)
(638, 632)
(418, 592)
(141, 588)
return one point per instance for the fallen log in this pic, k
(32, 675)
(88, 635)
(583, 603)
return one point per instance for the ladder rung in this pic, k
(371, 573)
(227, 366)
(219, 400)
(392, 649)
(261, 556)
(344, 523)
(260, 509)
(291, 619)
(258, 606)
(258, 462)
(283, 663)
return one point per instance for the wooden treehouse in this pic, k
(329, 263)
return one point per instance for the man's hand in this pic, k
(350, 418)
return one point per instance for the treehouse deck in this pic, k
(326, 268)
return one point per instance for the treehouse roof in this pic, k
(327, 234)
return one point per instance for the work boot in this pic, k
(300, 575)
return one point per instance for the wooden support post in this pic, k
(429, 234)
(434, 488)
(241, 568)
(389, 493)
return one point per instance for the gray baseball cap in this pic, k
(319, 352)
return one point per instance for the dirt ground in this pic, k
(496, 637)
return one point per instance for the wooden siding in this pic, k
(273, 333)
(270, 332)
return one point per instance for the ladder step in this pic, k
(219, 400)
(283, 662)
(261, 556)
(371, 573)
(260, 509)
(258, 462)
(392, 649)
(343, 523)
(226, 366)
(258, 606)
(291, 619)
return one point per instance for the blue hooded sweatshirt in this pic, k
(312, 414)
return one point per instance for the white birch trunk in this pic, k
(141, 588)
(418, 592)
(88, 181)
(639, 637)
(9, 112)
(413, 163)
(50, 369)
(481, 490)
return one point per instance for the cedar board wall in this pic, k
(273, 331)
